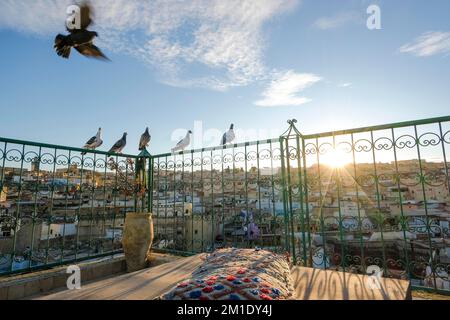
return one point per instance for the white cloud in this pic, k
(205, 43)
(428, 44)
(286, 88)
(345, 85)
(336, 21)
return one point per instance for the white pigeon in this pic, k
(228, 136)
(184, 143)
(94, 142)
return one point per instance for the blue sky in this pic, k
(253, 63)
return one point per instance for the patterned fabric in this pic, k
(238, 274)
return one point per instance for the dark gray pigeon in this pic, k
(94, 142)
(145, 140)
(80, 39)
(119, 145)
(229, 136)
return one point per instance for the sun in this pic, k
(335, 158)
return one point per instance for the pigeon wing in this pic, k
(91, 141)
(85, 15)
(224, 139)
(90, 50)
(61, 46)
(116, 146)
(59, 40)
(180, 143)
(231, 136)
(143, 142)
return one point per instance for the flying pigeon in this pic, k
(94, 142)
(186, 141)
(119, 145)
(229, 136)
(80, 39)
(145, 140)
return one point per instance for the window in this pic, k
(5, 232)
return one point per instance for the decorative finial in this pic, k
(292, 128)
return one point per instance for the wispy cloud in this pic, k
(428, 44)
(221, 42)
(286, 88)
(345, 85)
(338, 20)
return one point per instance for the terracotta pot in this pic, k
(137, 240)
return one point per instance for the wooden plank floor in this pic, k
(310, 284)
(317, 284)
(147, 284)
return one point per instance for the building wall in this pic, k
(195, 231)
(58, 230)
(23, 239)
(3, 193)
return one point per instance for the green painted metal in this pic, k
(62, 148)
(402, 213)
(304, 199)
(54, 208)
(378, 199)
(357, 189)
(280, 194)
(286, 207)
(427, 217)
(16, 219)
(394, 125)
(321, 217)
(340, 219)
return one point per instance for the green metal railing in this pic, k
(378, 196)
(221, 196)
(59, 206)
(345, 200)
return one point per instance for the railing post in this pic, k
(305, 197)
(285, 204)
(143, 180)
(150, 185)
(292, 132)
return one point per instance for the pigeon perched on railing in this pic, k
(145, 140)
(119, 145)
(184, 143)
(94, 142)
(80, 39)
(229, 136)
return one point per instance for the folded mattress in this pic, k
(238, 274)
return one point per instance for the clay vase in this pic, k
(137, 240)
